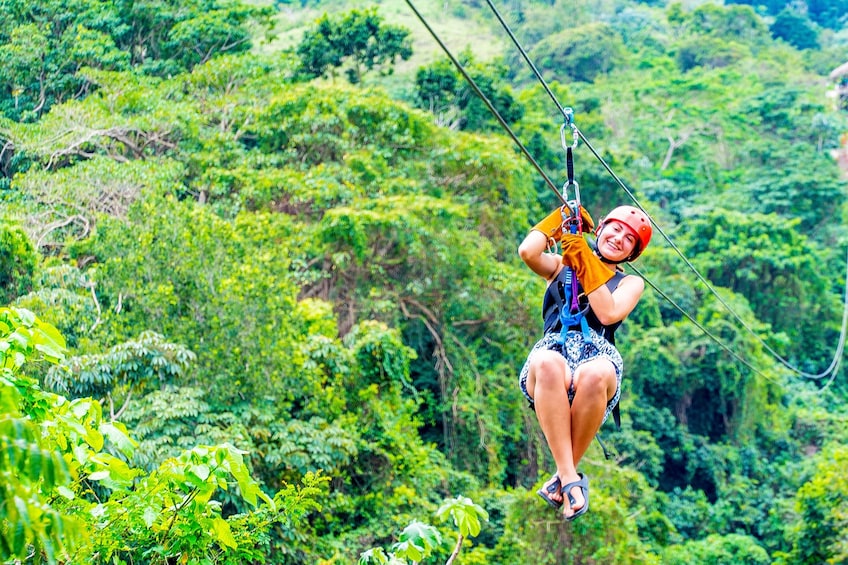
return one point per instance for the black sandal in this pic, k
(583, 483)
(546, 491)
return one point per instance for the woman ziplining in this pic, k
(572, 376)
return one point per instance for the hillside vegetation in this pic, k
(257, 313)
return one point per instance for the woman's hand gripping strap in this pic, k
(586, 223)
(563, 218)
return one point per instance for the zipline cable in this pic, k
(486, 101)
(841, 346)
(560, 107)
(701, 327)
(665, 236)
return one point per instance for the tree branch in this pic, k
(96, 323)
(123, 409)
(455, 553)
(60, 224)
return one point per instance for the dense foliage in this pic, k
(259, 315)
(360, 40)
(44, 45)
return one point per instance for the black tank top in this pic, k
(554, 299)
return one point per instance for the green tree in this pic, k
(431, 287)
(811, 195)
(43, 47)
(358, 38)
(418, 540)
(581, 53)
(710, 52)
(130, 368)
(822, 503)
(828, 13)
(18, 262)
(718, 550)
(41, 54)
(69, 495)
(208, 282)
(436, 90)
(773, 7)
(446, 94)
(63, 207)
(740, 23)
(32, 469)
(214, 28)
(767, 261)
(671, 369)
(65, 298)
(795, 29)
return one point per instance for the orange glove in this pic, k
(551, 226)
(590, 271)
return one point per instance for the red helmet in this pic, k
(636, 220)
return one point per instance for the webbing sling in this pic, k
(572, 315)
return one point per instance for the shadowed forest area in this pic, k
(261, 300)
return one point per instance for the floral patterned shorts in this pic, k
(576, 352)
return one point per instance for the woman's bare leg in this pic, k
(547, 382)
(594, 386)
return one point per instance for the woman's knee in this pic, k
(548, 367)
(599, 378)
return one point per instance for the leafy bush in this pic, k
(18, 262)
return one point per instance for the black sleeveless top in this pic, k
(554, 299)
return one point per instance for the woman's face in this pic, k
(616, 241)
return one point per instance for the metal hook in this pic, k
(574, 204)
(574, 135)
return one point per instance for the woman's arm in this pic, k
(533, 251)
(612, 307)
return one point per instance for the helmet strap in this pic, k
(603, 259)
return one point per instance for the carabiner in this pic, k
(575, 219)
(575, 202)
(574, 135)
